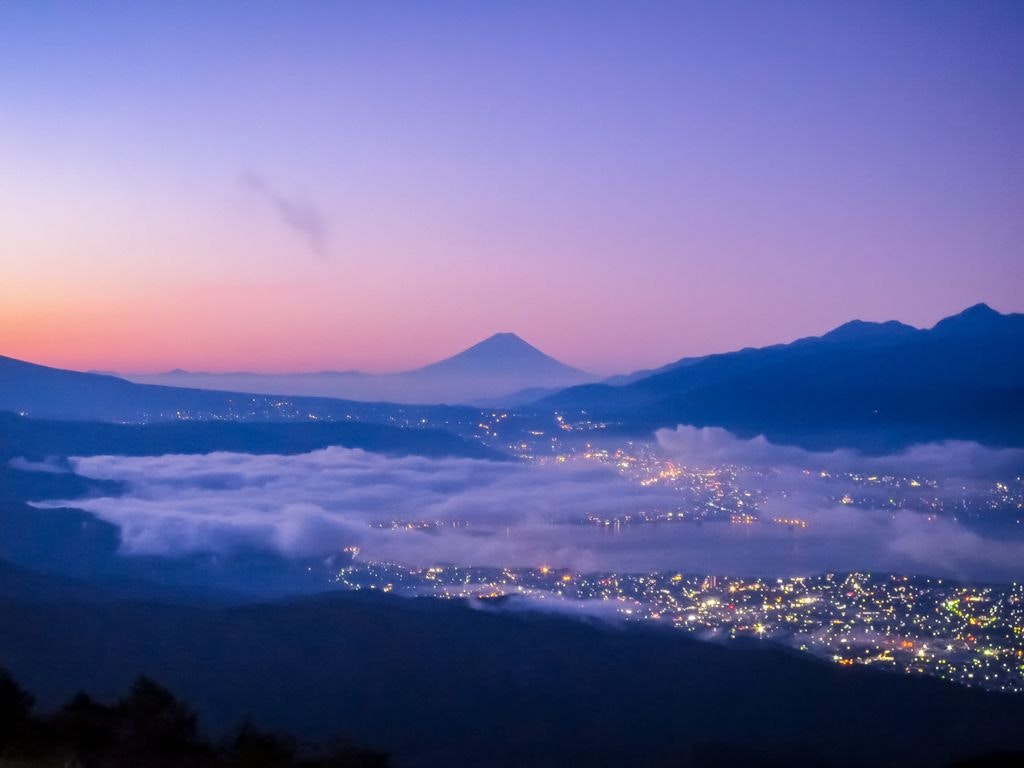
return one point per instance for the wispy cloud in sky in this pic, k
(297, 213)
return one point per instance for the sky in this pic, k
(303, 186)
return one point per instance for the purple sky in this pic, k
(325, 185)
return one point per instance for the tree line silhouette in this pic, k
(147, 728)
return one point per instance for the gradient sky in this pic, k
(299, 186)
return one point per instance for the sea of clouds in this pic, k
(516, 514)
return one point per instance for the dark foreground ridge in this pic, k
(445, 683)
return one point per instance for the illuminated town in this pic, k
(968, 634)
(735, 492)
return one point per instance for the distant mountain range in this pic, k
(866, 384)
(496, 366)
(42, 392)
(863, 384)
(54, 393)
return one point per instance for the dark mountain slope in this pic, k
(438, 683)
(20, 436)
(870, 385)
(44, 392)
(52, 393)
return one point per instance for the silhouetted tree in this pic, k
(15, 712)
(153, 723)
(148, 728)
(87, 729)
(253, 748)
(347, 755)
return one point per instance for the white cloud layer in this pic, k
(514, 514)
(712, 446)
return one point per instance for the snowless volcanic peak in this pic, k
(498, 354)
